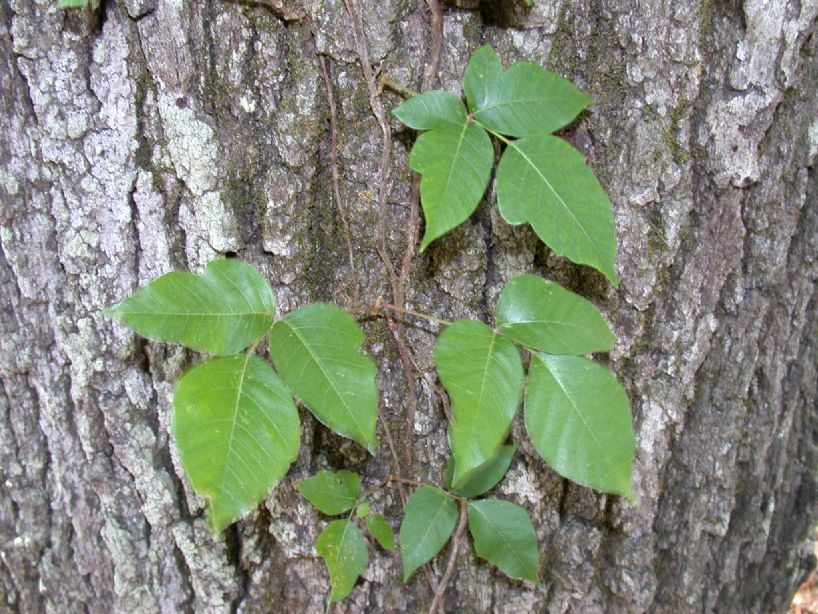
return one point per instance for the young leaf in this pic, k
(483, 374)
(578, 418)
(432, 110)
(237, 431)
(455, 162)
(528, 100)
(429, 520)
(504, 536)
(332, 493)
(363, 510)
(544, 181)
(222, 311)
(485, 477)
(545, 316)
(381, 531)
(343, 548)
(316, 349)
(482, 78)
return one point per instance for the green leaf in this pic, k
(237, 430)
(486, 476)
(455, 163)
(504, 536)
(544, 181)
(545, 316)
(432, 110)
(222, 311)
(343, 548)
(482, 78)
(429, 520)
(483, 374)
(363, 510)
(528, 100)
(69, 4)
(316, 349)
(381, 531)
(332, 493)
(578, 418)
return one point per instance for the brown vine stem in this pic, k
(336, 182)
(386, 155)
(437, 602)
(413, 227)
(376, 310)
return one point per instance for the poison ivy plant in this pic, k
(577, 414)
(540, 179)
(234, 418)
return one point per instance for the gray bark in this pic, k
(160, 134)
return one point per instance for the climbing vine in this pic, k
(234, 417)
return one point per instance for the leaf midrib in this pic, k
(320, 366)
(559, 198)
(442, 504)
(233, 422)
(579, 413)
(501, 534)
(494, 337)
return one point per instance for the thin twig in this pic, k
(437, 602)
(336, 182)
(413, 226)
(391, 443)
(386, 141)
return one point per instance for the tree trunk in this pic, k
(159, 134)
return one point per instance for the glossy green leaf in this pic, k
(504, 536)
(343, 548)
(545, 316)
(578, 418)
(316, 349)
(330, 492)
(455, 163)
(381, 530)
(237, 430)
(222, 311)
(528, 100)
(483, 374)
(482, 78)
(428, 522)
(544, 181)
(432, 110)
(486, 476)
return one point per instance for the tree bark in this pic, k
(159, 134)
